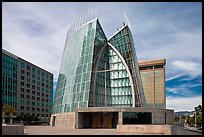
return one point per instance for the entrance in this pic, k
(53, 120)
(98, 119)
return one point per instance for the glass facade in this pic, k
(120, 83)
(26, 87)
(92, 75)
(9, 80)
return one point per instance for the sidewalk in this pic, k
(49, 130)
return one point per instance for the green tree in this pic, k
(199, 120)
(9, 110)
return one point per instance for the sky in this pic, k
(36, 32)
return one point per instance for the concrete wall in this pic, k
(12, 129)
(157, 129)
(145, 129)
(64, 119)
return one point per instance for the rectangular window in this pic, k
(28, 91)
(22, 102)
(33, 70)
(33, 76)
(22, 71)
(33, 81)
(22, 89)
(22, 107)
(28, 79)
(38, 72)
(22, 95)
(22, 65)
(33, 103)
(28, 67)
(28, 102)
(28, 85)
(33, 87)
(43, 74)
(22, 77)
(28, 74)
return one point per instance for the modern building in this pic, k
(26, 86)
(153, 79)
(99, 83)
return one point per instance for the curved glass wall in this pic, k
(86, 79)
(74, 80)
(123, 42)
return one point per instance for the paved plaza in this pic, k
(48, 130)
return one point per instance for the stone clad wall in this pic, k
(145, 129)
(12, 129)
(157, 129)
(64, 119)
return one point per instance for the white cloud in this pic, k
(183, 103)
(188, 67)
(174, 77)
(42, 41)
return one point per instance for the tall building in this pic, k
(99, 83)
(26, 86)
(153, 79)
(83, 80)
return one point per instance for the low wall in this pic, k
(64, 120)
(12, 129)
(157, 129)
(145, 129)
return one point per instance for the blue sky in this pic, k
(37, 33)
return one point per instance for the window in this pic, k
(28, 67)
(28, 102)
(28, 85)
(33, 109)
(33, 70)
(33, 76)
(22, 83)
(22, 89)
(22, 71)
(22, 102)
(28, 74)
(28, 91)
(22, 77)
(33, 98)
(28, 79)
(146, 68)
(158, 66)
(28, 96)
(38, 72)
(33, 81)
(22, 65)
(22, 107)
(33, 103)
(28, 108)
(43, 74)
(33, 87)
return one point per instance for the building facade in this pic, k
(101, 78)
(26, 86)
(96, 72)
(153, 79)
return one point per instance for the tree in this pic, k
(9, 112)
